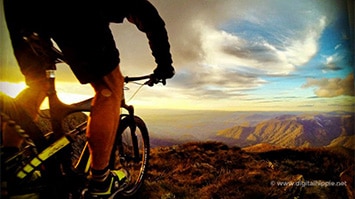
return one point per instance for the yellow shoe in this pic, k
(108, 189)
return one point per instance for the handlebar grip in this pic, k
(131, 79)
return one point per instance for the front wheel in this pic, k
(131, 151)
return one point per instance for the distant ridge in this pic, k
(294, 131)
(345, 141)
(261, 147)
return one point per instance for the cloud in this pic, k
(230, 46)
(207, 84)
(332, 63)
(332, 87)
(267, 36)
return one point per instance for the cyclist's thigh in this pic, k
(87, 43)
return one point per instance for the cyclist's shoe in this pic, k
(117, 181)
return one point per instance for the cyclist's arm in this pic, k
(147, 19)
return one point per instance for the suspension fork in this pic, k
(133, 128)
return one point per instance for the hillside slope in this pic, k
(213, 170)
(294, 131)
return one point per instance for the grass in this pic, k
(212, 170)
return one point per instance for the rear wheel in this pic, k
(131, 151)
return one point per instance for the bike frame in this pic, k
(58, 109)
(59, 139)
(56, 144)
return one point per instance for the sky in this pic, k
(237, 55)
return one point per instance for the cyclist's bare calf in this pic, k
(104, 117)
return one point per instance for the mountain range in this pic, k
(294, 131)
(243, 129)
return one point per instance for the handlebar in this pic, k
(150, 82)
(132, 79)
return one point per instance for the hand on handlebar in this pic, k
(160, 74)
(154, 80)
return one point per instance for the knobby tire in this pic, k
(131, 151)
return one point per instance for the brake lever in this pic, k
(149, 83)
(153, 80)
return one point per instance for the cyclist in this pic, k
(81, 30)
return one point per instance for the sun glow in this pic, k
(12, 89)
(67, 92)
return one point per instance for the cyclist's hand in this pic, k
(161, 73)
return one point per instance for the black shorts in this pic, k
(80, 31)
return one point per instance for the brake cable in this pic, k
(135, 93)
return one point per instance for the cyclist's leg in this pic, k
(34, 70)
(31, 98)
(101, 132)
(104, 117)
(24, 110)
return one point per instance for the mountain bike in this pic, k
(56, 164)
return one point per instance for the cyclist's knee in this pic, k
(106, 92)
(110, 85)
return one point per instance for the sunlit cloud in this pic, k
(235, 60)
(332, 87)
